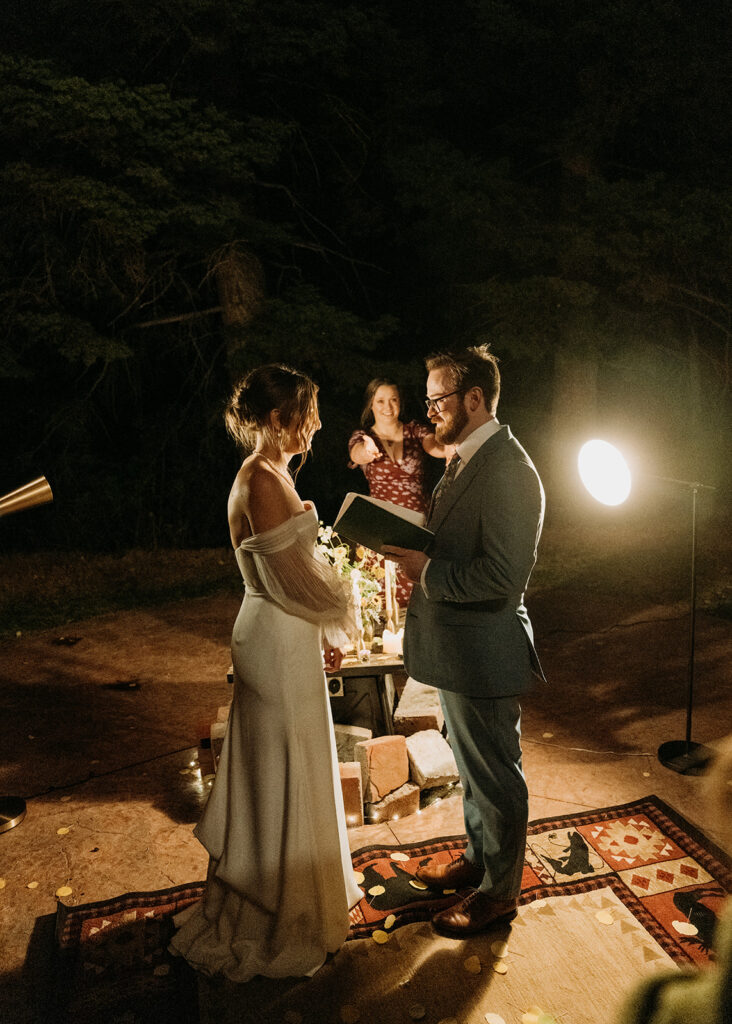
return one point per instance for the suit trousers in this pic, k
(485, 735)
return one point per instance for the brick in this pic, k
(384, 766)
(352, 792)
(399, 804)
(347, 736)
(431, 760)
(419, 709)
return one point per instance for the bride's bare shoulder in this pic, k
(255, 482)
(258, 500)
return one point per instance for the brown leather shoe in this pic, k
(475, 913)
(458, 874)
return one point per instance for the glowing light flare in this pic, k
(604, 472)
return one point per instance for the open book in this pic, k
(375, 523)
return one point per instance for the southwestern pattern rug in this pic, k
(670, 877)
(637, 869)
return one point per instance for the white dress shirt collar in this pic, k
(467, 448)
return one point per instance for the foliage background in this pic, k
(192, 187)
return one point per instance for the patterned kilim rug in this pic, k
(666, 873)
(634, 888)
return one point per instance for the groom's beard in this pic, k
(450, 429)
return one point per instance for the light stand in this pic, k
(37, 492)
(684, 756)
(606, 476)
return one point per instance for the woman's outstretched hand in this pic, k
(365, 451)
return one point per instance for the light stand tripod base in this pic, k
(12, 812)
(684, 757)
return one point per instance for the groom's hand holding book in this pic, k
(409, 561)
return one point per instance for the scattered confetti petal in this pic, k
(449, 892)
(350, 1014)
(605, 917)
(494, 1018)
(65, 890)
(64, 831)
(376, 890)
(447, 1020)
(390, 921)
(416, 884)
(360, 877)
(646, 775)
(500, 968)
(529, 1018)
(417, 1011)
(472, 965)
(547, 735)
(161, 970)
(380, 936)
(94, 761)
(3, 883)
(32, 885)
(399, 856)
(499, 949)
(65, 799)
(685, 927)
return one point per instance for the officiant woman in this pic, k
(393, 455)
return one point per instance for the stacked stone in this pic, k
(395, 769)
(387, 791)
(419, 708)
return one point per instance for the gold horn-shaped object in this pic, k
(37, 492)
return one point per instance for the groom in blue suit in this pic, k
(468, 633)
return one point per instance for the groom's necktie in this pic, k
(443, 485)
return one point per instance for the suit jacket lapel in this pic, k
(466, 476)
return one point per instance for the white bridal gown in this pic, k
(280, 879)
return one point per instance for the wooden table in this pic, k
(377, 672)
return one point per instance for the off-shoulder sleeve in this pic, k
(301, 582)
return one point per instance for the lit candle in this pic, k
(357, 605)
(392, 641)
(388, 593)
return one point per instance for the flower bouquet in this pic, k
(364, 570)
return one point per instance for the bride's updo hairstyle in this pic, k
(260, 392)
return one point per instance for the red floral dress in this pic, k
(401, 481)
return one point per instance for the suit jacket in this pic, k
(471, 632)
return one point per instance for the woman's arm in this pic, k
(438, 451)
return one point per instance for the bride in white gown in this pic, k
(280, 881)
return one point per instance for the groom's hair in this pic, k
(474, 367)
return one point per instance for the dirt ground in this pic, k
(102, 716)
